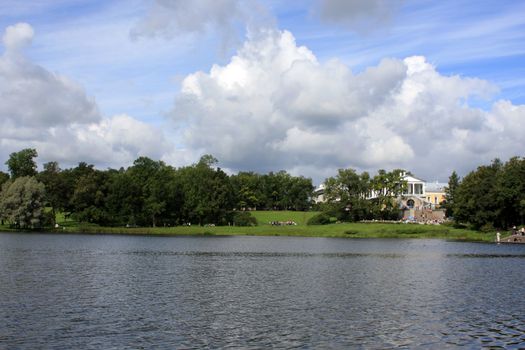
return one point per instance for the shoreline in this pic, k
(343, 230)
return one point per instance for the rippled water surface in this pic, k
(104, 292)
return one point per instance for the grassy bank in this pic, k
(346, 230)
(265, 217)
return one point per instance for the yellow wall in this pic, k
(435, 197)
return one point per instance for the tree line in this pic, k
(151, 193)
(148, 193)
(490, 197)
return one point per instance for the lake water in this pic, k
(104, 292)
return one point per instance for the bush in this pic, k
(48, 220)
(244, 218)
(454, 224)
(487, 228)
(319, 219)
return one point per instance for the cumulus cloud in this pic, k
(17, 36)
(114, 141)
(35, 97)
(359, 15)
(53, 113)
(274, 106)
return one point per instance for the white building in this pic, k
(318, 194)
(413, 197)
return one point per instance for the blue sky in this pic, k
(134, 65)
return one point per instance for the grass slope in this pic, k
(347, 230)
(264, 217)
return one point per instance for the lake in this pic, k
(104, 292)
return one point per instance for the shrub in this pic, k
(488, 227)
(244, 218)
(319, 219)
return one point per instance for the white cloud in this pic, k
(17, 36)
(274, 106)
(112, 142)
(33, 96)
(54, 114)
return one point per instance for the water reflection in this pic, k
(253, 292)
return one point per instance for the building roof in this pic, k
(320, 189)
(436, 186)
(411, 178)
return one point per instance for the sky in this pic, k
(264, 85)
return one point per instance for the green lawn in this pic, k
(346, 230)
(264, 217)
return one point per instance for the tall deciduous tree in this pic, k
(56, 190)
(347, 194)
(70, 179)
(208, 194)
(154, 197)
(475, 200)
(248, 189)
(3, 178)
(89, 198)
(450, 193)
(22, 163)
(387, 186)
(300, 193)
(22, 202)
(510, 192)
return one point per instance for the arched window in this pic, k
(410, 203)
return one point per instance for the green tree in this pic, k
(22, 202)
(156, 197)
(272, 191)
(248, 190)
(510, 193)
(476, 198)
(347, 195)
(450, 193)
(278, 191)
(3, 178)
(244, 218)
(387, 187)
(56, 190)
(22, 163)
(208, 193)
(69, 180)
(124, 200)
(208, 160)
(300, 193)
(89, 198)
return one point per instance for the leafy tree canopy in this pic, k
(22, 163)
(22, 202)
(3, 178)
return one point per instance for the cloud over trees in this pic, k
(53, 113)
(275, 106)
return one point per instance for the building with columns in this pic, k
(414, 195)
(418, 195)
